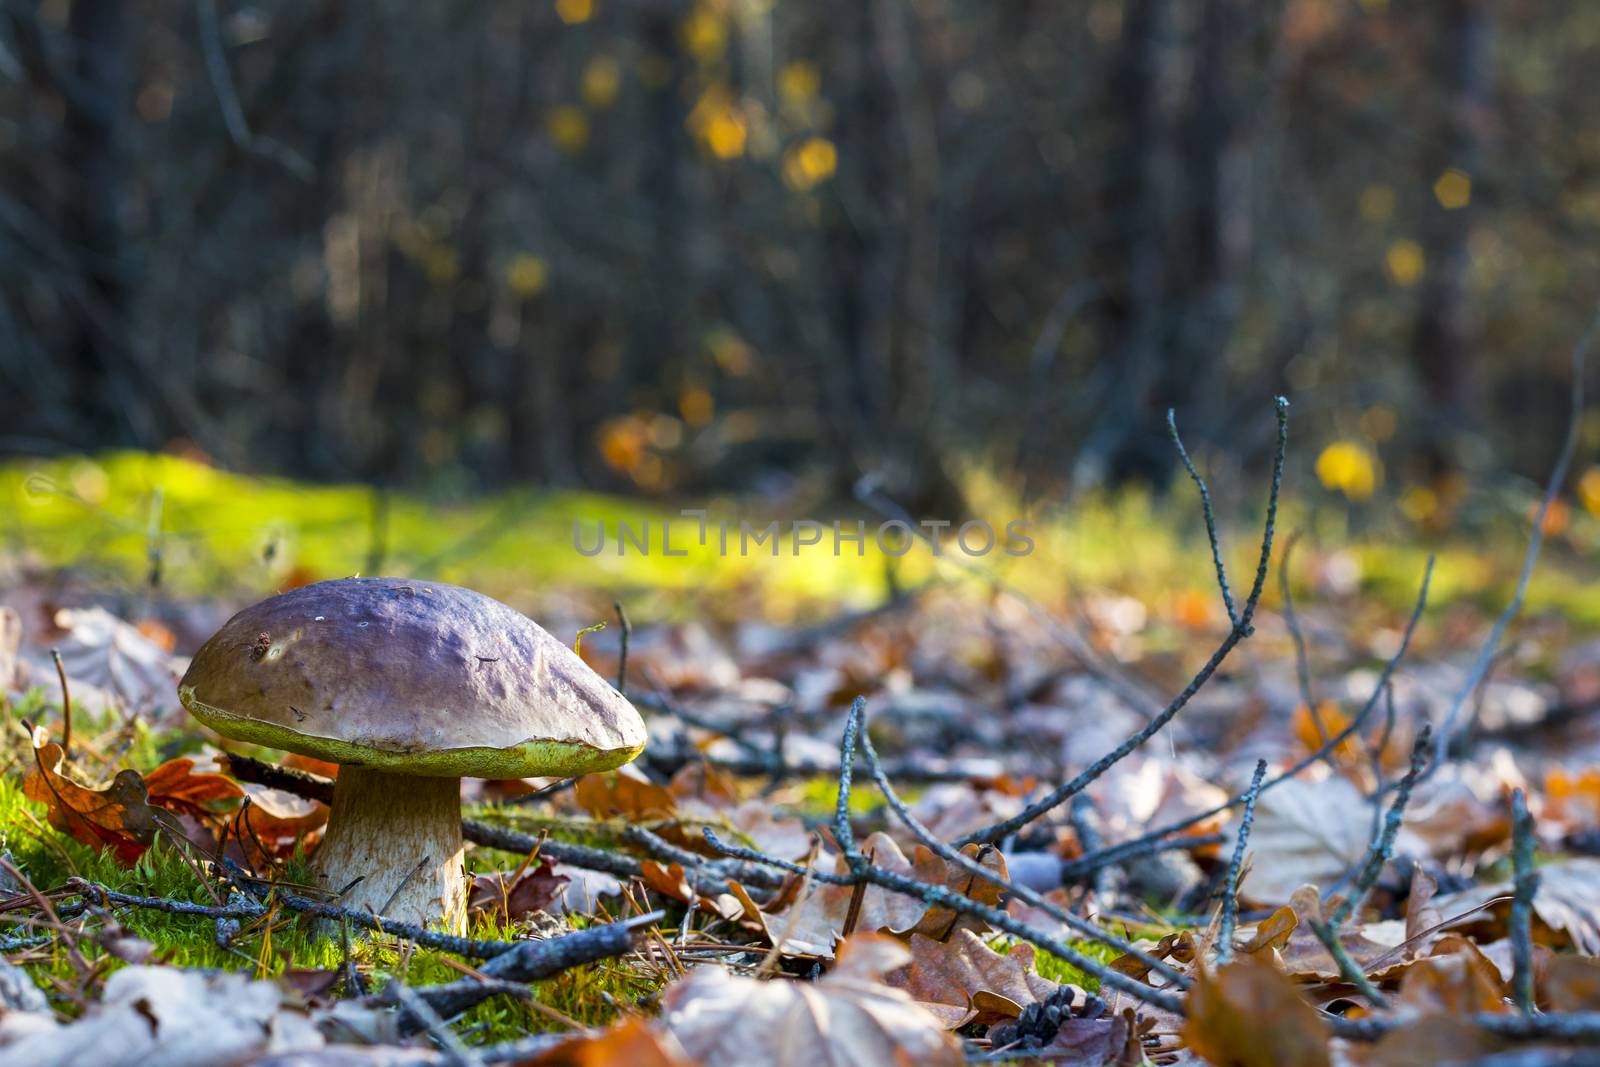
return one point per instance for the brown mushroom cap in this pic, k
(409, 677)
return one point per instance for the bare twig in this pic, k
(622, 655)
(228, 100)
(1523, 890)
(1382, 848)
(1118, 853)
(1230, 885)
(1210, 516)
(66, 703)
(1240, 630)
(1558, 477)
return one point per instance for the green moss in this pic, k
(1048, 965)
(591, 994)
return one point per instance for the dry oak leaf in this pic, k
(1249, 1014)
(1272, 933)
(632, 1041)
(176, 786)
(1429, 1041)
(1458, 979)
(940, 922)
(625, 793)
(847, 1018)
(118, 816)
(812, 924)
(279, 822)
(1305, 832)
(1565, 908)
(507, 895)
(1570, 983)
(964, 981)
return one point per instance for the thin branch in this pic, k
(1230, 885)
(1558, 477)
(1239, 631)
(1523, 890)
(1011, 888)
(1138, 846)
(1302, 661)
(1382, 848)
(1210, 516)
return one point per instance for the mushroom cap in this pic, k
(409, 677)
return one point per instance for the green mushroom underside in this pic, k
(531, 757)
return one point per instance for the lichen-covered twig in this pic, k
(1524, 888)
(1291, 621)
(1381, 850)
(1210, 516)
(1241, 629)
(1230, 885)
(1083, 865)
(1020, 892)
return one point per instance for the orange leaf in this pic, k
(1249, 1015)
(117, 816)
(631, 1041)
(176, 787)
(615, 794)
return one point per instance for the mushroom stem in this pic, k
(401, 835)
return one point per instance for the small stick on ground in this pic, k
(622, 656)
(66, 703)
(1230, 886)
(1523, 891)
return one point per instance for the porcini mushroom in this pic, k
(409, 686)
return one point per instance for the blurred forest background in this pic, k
(691, 246)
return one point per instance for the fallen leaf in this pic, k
(1566, 907)
(278, 822)
(177, 787)
(109, 662)
(812, 924)
(1248, 1014)
(1457, 979)
(622, 794)
(965, 981)
(1305, 832)
(632, 1041)
(1431, 1040)
(1570, 983)
(117, 816)
(496, 896)
(1272, 933)
(939, 922)
(849, 1016)
(170, 1017)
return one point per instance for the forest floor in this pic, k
(1078, 807)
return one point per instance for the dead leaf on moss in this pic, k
(504, 895)
(118, 816)
(849, 1016)
(624, 794)
(965, 981)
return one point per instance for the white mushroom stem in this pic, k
(401, 835)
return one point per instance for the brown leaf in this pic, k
(1248, 1014)
(1272, 933)
(1103, 1042)
(1457, 980)
(622, 794)
(117, 816)
(631, 1041)
(496, 895)
(175, 786)
(813, 922)
(278, 822)
(1430, 1040)
(1571, 983)
(1305, 832)
(849, 1016)
(1566, 907)
(939, 922)
(963, 980)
